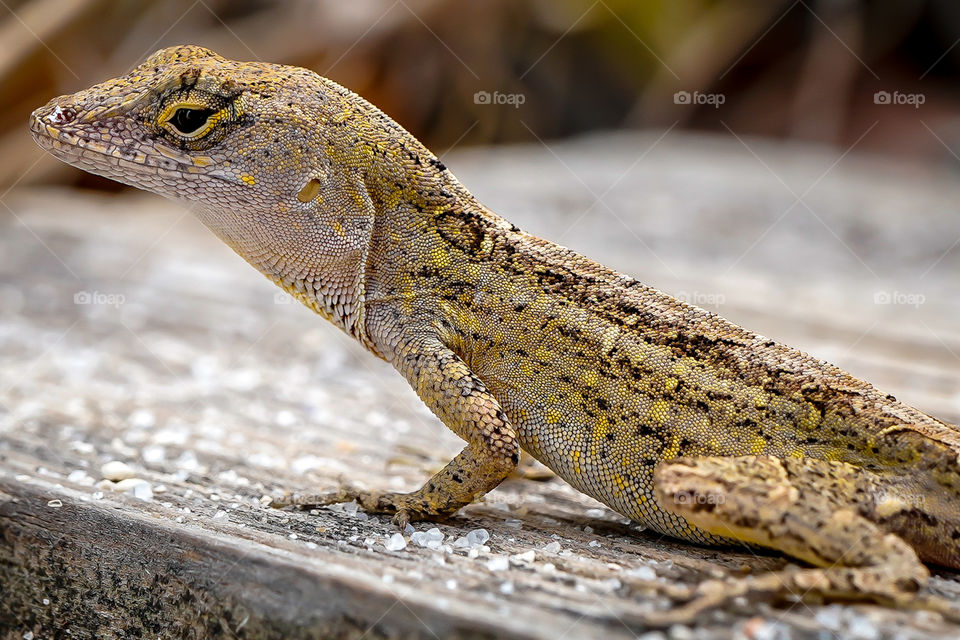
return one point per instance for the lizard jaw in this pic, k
(106, 148)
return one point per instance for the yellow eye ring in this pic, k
(190, 119)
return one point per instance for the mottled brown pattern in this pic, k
(667, 413)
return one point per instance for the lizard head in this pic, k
(274, 159)
(176, 125)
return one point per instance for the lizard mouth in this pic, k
(73, 144)
(112, 153)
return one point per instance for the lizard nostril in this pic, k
(61, 115)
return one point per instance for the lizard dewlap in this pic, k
(667, 413)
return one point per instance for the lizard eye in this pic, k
(197, 122)
(189, 121)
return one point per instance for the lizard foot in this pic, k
(404, 507)
(805, 508)
(784, 588)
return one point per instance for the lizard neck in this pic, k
(331, 284)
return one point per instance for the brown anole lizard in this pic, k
(667, 413)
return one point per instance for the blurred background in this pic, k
(808, 70)
(791, 165)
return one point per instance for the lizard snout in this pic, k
(48, 121)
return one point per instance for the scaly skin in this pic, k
(667, 413)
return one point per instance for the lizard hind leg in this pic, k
(805, 508)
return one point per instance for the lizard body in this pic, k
(665, 412)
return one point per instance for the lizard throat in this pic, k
(343, 308)
(334, 289)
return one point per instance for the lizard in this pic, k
(669, 414)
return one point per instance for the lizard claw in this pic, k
(404, 507)
(401, 519)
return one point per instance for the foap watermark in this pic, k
(99, 298)
(502, 497)
(701, 298)
(891, 500)
(282, 297)
(512, 99)
(899, 298)
(698, 98)
(695, 497)
(912, 99)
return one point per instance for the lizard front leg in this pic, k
(460, 399)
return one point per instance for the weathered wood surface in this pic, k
(127, 332)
